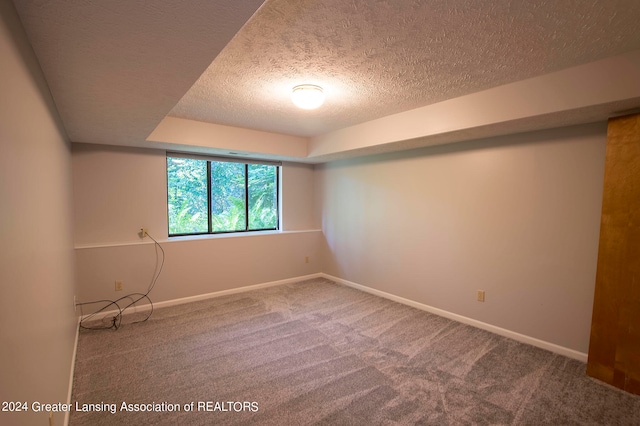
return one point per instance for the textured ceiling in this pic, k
(117, 68)
(379, 57)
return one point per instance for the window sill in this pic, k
(197, 238)
(235, 235)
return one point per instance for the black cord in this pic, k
(116, 321)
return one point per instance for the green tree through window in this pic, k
(208, 196)
(187, 196)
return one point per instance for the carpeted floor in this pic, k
(320, 353)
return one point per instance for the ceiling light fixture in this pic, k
(307, 96)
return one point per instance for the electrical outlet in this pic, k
(118, 285)
(480, 295)
(143, 232)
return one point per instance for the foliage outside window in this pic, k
(208, 196)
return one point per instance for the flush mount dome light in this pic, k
(307, 96)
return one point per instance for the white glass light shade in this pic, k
(307, 96)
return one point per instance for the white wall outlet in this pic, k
(118, 285)
(143, 232)
(480, 295)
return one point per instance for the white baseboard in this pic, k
(180, 301)
(73, 368)
(233, 291)
(580, 356)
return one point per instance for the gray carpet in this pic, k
(320, 353)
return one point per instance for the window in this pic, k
(216, 195)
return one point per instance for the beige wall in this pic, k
(117, 190)
(37, 319)
(516, 216)
(195, 267)
(298, 210)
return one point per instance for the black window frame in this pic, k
(245, 162)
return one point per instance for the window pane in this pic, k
(227, 197)
(263, 200)
(187, 196)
